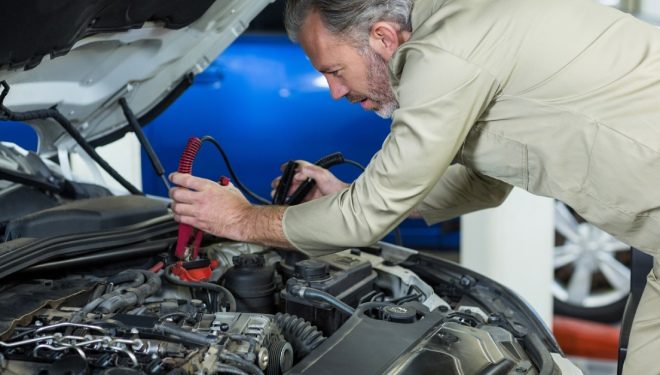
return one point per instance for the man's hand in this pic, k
(326, 182)
(225, 212)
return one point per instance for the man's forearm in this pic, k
(263, 225)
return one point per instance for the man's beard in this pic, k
(380, 91)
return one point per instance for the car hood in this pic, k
(82, 57)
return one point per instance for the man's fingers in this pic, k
(183, 209)
(301, 163)
(309, 171)
(187, 220)
(190, 181)
(182, 195)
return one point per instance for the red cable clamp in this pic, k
(189, 272)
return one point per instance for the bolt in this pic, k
(465, 281)
(263, 358)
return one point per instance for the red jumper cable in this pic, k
(185, 250)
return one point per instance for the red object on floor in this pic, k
(587, 339)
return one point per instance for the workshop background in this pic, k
(266, 105)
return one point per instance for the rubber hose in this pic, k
(193, 337)
(135, 276)
(228, 369)
(315, 294)
(301, 334)
(214, 287)
(132, 296)
(241, 363)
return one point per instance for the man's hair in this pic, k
(351, 19)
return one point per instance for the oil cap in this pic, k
(312, 269)
(400, 314)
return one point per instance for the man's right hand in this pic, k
(326, 182)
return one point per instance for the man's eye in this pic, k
(334, 73)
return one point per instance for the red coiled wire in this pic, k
(185, 230)
(189, 154)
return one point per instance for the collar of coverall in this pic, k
(423, 9)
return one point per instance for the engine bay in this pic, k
(246, 309)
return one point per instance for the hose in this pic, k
(227, 369)
(131, 296)
(301, 334)
(123, 296)
(197, 338)
(135, 276)
(315, 294)
(210, 286)
(241, 363)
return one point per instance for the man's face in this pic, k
(358, 74)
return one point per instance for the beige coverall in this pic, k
(558, 97)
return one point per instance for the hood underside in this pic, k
(82, 57)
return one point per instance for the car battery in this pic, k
(345, 276)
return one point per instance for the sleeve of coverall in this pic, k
(460, 191)
(440, 97)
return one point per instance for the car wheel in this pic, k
(591, 269)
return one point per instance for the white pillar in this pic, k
(513, 244)
(650, 9)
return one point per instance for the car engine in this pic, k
(258, 311)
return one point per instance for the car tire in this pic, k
(591, 270)
(611, 313)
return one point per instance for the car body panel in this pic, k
(143, 65)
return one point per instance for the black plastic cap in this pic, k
(312, 269)
(400, 314)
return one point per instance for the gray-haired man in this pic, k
(558, 97)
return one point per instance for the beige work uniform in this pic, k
(558, 97)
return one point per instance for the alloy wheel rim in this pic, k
(590, 253)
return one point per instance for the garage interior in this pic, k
(523, 244)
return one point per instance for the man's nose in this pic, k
(337, 89)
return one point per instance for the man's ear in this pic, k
(385, 38)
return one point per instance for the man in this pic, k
(558, 97)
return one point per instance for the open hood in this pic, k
(82, 56)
